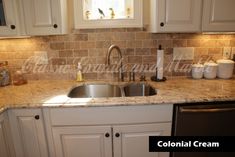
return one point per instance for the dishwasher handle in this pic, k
(209, 110)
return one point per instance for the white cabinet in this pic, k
(45, 17)
(132, 140)
(175, 15)
(81, 22)
(192, 16)
(218, 16)
(87, 141)
(106, 131)
(9, 20)
(28, 132)
(6, 145)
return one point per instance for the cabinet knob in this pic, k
(107, 135)
(37, 117)
(162, 24)
(13, 27)
(117, 135)
(55, 26)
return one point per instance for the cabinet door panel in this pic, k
(10, 19)
(28, 133)
(42, 18)
(134, 139)
(4, 150)
(82, 141)
(6, 145)
(219, 15)
(41, 15)
(30, 140)
(176, 15)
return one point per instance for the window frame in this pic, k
(81, 23)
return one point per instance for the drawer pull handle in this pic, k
(162, 24)
(37, 117)
(55, 26)
(117, 135)
(107, 135)
(13, 27)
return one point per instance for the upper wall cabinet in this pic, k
(8, 19)
(108, 13)
(45, 17)
(218, 16)
(175, 15)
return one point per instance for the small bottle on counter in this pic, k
(4, 74)
(79, 73)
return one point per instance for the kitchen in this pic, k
(43, 42)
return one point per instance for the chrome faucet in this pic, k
(111, 48)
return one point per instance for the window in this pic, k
(108, 13)
(108, 9)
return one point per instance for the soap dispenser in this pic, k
(79, 72)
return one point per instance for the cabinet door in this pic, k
(6, 145)
(28, 133)
(44, 17)
(133, 140)
(8, 24)
(219, 15)
(89, 141)
(175, 15)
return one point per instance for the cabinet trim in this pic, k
(111, 115)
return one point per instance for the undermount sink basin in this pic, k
(95, 91)
(139, 89)
(108, 90)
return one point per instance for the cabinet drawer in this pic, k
(111, 115)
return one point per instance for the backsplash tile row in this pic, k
(138, 47)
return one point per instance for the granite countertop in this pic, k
(53, 93)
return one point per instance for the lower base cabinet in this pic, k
(28, 132)
(88, 141)
(107, 131)
(133, 140)
(102, 141)
(6, 145)
(121, 131)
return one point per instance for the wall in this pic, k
(138, 47)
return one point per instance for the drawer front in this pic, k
(111, 115)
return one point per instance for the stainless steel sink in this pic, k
(139, 89)
(108, 90)
(95, 91)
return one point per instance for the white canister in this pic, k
(210, 70)
(225, 68)
(197, 71)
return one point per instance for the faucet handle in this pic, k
(121, 74)
(142, 78)
(132, 76)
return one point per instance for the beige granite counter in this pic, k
(53, 93)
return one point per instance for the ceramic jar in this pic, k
(210, 70)
(19, 78)
(225, 68)
(197, 71)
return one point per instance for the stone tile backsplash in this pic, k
(89, 46)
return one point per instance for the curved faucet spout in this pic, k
(111, 48)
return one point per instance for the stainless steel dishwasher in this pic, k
(204, 119)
